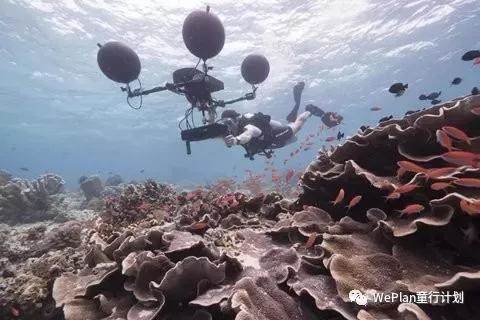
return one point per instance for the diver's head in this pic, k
(230, 118)
(230, 113)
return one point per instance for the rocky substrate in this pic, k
(372, 216)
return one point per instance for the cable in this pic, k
(141, 97)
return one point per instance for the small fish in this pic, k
(467, 182)
(400, 172)
(434, 95)
(398, 88)
(330, 139)
(339, 198)
(457, 134)
(142, 171)
(476, 111)
(24, 169)
(393, 196)
(471, 55)
(292, 154)
(355, 200)
(198, 226)
(306, 149)
(409, 112)
(461, 158)
(385, 119)
(440, 172)
(297, 151)
(311, 135)
(422, 97)
(456, 81)
(411, 167)
(475, 91)
(444, 139)
(375, 108)
(469, 207)
(15, 312)
(289, 175)
(406, 188)
(440, 185)
(412, 209)
(340, 135)
(435, 101)
(311, 240)
(476, 62)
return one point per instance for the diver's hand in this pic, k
(230, 140)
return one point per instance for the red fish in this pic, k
(444, 140)
(289, 175)
(476, 61)
(355, 200)
(400, 172)
(467, 182)
(330, 139)
(311, 240)
(406, 188)
(456, 133)
(393, 196)
(440, 172)
(339, 198)
(375, 109)
(411, 167)
(461, 158)
(199, 226)
(412, 209)
(440, 185)
(471, 208)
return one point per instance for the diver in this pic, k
(258, 132)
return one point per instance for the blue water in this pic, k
(59, 113)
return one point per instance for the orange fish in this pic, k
(400, 172)
(412, 209)
(355, 200)
(311, 240)
(476, 111)
(289, 175)
(472, 209)
(199, 226)
(444, 140)
(440, 172)
(339, 197)
(14, 312)
(461, 158)
(406, 188)
(411, 167)
(456, 133)
(440, 185)
(330, 139)
(375, 109)
(392, 196)
(467, 182)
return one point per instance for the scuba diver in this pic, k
(258, 132)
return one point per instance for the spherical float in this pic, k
(203, 34)
(118, 62)
(255, 68)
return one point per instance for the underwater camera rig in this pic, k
(204, 36)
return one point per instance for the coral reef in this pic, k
(92, 187)
(114, 180)
(394, 209)
(25, 201)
